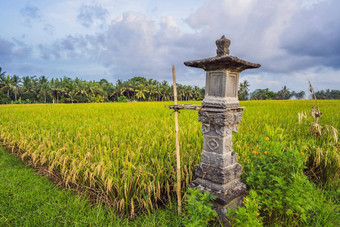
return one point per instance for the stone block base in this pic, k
(222, 210)
(225, 192)
(228, 195)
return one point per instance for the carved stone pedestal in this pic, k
(219, 173)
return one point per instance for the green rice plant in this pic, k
(123, 153)
(323, 165)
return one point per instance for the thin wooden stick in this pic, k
(178, 157)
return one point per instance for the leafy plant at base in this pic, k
(198, 209)
(280, 192)
(276, 174)
(247, 215)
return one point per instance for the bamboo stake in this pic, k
(179, 199)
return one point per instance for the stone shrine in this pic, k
(219, 172)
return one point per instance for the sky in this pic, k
(293, 40)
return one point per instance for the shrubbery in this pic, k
(122, 99)
(280, 194)
(198, 209)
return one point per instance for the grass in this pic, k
(28, 199)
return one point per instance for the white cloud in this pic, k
(92, 14)
(292, 40)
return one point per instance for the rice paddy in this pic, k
(123, 153)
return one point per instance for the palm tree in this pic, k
(151, 88)
(140, 92)
(58, 88)
(43, 86)
(70, 89)
(2, 75)
(284, 93)
(29, 87)
(107, 87)
(15, 82)
(164, 90)
(7, 85)
(196, 93)
(52, 90)
(244, 90)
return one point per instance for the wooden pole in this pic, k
(179, 199)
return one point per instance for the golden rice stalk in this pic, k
(333, 131)
(335, 134)
(302, 115)
(132, 211)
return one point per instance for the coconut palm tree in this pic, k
(43, 87)
(141, 92)
(284, 93)
(243, 92)
(2, 74)
(7, 85)
(16, 86)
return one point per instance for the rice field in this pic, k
(124, 153)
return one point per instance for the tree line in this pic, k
(284, 93)
(264, 94)
(32, 89)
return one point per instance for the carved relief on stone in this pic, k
(238, 117)
(203, 117)
(223, 119)
(213, 144)
(223, 130)
(205, 128)
(218, 160)
(222, 46)
(218, 175)
(235, 128)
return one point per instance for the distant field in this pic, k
(124, 152)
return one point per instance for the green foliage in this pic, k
(323, 166)
(243, 91)
(198, 209)
(323, 212)
(283, 94)
(280, 192)
(67, 90)
(277, 175)
(328, 94)
(122, 99)
(247, 215)
(3, 98)
(126, 142)
(262, 94)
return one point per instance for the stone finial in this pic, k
(222, 46)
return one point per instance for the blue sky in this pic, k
(294, 41)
